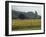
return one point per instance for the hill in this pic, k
(28, 15)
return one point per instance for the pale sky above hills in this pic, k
(23, 8)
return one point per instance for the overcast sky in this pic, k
(27, 8)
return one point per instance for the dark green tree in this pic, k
(21, 16)
(36, 14)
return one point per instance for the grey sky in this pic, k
(28, 8)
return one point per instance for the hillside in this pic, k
(28, 15)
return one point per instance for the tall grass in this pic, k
(25, 24)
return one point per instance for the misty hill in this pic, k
(28, 15)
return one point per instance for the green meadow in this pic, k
(26, 24)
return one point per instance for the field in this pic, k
(26, 24)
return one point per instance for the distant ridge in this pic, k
(28, 15)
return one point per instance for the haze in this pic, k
(28, 9)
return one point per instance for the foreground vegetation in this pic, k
(26, 24)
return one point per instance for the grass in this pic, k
(26, 24)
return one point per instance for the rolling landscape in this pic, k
(25, 21)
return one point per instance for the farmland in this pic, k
(26, 24)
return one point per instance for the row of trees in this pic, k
(29, 15)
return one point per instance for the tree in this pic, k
(36, 14)
(22, 16)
